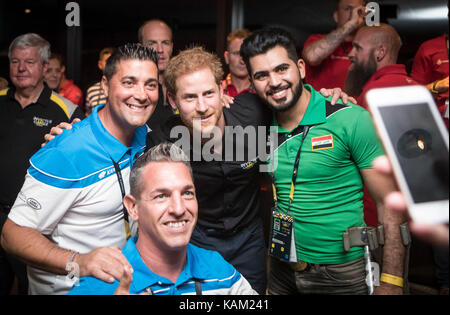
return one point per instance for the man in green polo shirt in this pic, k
(334, 146)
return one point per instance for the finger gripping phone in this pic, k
(416, 141)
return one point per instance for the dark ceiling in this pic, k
(111, 22)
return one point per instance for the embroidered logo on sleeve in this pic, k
(323, 142)
(31, 202)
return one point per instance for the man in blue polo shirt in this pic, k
(162, 200)
(69, 212)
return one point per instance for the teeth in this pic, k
(176, 224)
(279, 93)
(136, 107)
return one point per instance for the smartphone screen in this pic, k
(420, 149)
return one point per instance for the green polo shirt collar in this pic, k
(315, 112)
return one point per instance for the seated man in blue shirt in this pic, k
(162, 200)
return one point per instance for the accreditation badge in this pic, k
(282, 240)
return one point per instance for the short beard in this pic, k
(283, 108)
(358, 75)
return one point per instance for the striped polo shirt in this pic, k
(72, 196)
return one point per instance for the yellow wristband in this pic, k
(433, 88)
(391, 279)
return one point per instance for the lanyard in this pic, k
(294, 173)
(122, 190)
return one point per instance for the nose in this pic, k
(159, 47)
(140, 94)
(351, 54)
(201, 105)
(21, 66)
(274, 79)
(176, 207)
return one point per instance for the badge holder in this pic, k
(282, 237)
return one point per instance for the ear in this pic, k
(63, 69)
(226, 56)
(45, 67)
(131, 205)
(104, 85)
(302, 68)
(380, 52)
(171, 99)
(335, 16)
(100, 65)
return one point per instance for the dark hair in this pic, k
(59, 57)
(129, 52)
(261, 41)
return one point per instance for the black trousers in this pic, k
(10, 267)
(245, 250)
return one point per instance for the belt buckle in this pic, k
(299, 265)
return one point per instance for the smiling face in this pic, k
(26, 68)
(54, 74)
(199, 100)
(132, 95)
(277, 78)
(166, 208)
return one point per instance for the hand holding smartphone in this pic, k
(416, 141)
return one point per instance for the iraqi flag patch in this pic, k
(323, 142)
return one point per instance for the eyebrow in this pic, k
(260, 73)
(134, 79)
(355, 44)
(187, 94)
(166, 190)
(284, 64)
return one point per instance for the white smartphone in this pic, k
(416, 141)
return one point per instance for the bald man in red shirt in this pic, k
(374, 65)
(374, 62)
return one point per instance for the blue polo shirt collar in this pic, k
(111, 145)
(143, 277)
